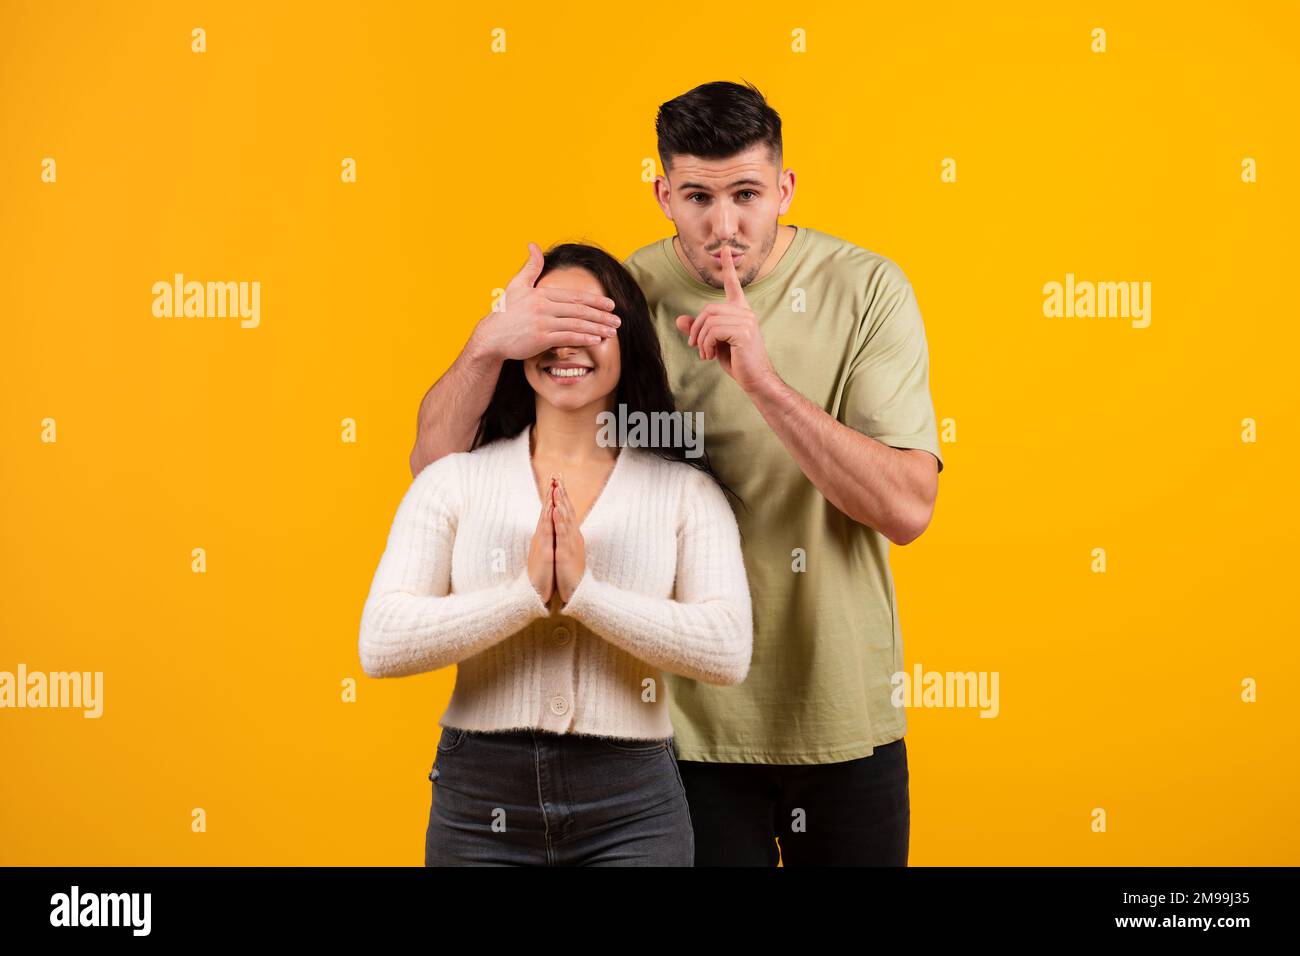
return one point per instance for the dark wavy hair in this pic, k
(643, 380)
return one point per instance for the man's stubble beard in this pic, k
(747, 276)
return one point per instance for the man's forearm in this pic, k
(450, 411)
(874, 484)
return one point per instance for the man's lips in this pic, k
(734, 255)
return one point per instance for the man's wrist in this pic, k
(768, 388)
(479, 354)
(776, 402)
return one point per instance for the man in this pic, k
(808, 358)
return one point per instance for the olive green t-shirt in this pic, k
(842, 327)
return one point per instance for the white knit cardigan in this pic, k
(664, 589)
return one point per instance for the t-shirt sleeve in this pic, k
(887, 389)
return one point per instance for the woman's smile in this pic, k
(566, 371)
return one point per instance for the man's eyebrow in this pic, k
(738, 182)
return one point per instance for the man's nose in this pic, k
(724, 223)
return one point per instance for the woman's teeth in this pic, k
(567, 372)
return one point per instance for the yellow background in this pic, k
(222, 690)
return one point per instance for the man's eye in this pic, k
(694, 195)
(749, 191)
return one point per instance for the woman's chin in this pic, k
(570, 398)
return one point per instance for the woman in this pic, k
(563, 576)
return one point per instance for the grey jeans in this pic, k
(535, 798)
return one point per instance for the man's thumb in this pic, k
(533, 267)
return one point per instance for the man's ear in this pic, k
(662, 195)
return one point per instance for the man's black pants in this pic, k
(851, 813)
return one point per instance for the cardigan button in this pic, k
(561, 635)
(559, 705)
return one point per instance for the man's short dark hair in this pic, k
(717, 120)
